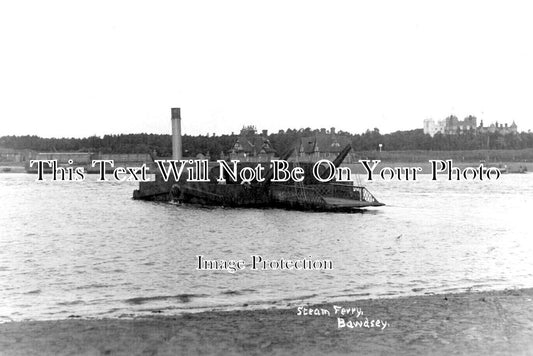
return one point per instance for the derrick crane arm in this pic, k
(338, 160)
(269, 174)
(342, 155)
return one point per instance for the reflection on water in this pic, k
(88, 249)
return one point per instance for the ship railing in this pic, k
(297, 195)
(346, 191)
(366, 195)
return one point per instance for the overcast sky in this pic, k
(72, 68)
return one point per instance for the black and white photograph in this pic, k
(266, 178)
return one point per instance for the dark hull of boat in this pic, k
(316, 197)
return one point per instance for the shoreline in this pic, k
(493, 322)
(512, 167)
(357, 168)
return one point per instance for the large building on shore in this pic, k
(323, 145)
(504, 129)
(453, 126)
(251, 146)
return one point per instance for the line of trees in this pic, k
(417, 140)
(160, 145)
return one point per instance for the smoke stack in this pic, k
(176, 133)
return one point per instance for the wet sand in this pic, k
(490, 323)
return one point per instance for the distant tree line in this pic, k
(417, 140)
(161, 145)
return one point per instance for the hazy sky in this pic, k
(72, 68)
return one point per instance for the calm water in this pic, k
(88, 249)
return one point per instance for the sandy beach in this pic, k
(491, 323)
